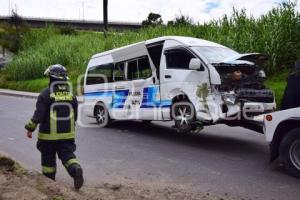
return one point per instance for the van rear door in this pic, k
(138, 77)
(143, 97)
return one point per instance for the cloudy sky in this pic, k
(134, 10)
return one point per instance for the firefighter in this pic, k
(56, 113)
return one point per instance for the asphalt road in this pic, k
(223, 160)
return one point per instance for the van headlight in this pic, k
(229, 99)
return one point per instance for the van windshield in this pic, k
(215, 54)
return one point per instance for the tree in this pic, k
(153, 19)
(16, 21)
(12, 32)
(181, 21)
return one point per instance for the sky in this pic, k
(135, 10)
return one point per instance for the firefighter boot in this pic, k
(76, 172)
(78, 178)
(50, 175)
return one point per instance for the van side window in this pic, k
(119, 72)
(99, 74)
(144, 68)
(132, 70)
(178, 58)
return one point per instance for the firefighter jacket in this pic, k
(56, 113)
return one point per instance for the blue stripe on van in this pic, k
(150, 101)
(149, 97)
(118, 100)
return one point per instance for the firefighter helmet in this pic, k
(57, 72)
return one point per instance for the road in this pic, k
(222, 160)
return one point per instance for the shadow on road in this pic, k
(234, 146)
(231, 143)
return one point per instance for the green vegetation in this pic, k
(11, 33)
(276, 33)
(278, 83)
(35, 85)
(153, 19)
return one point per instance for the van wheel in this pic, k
(290, 152)
(102, 115)
(183, 114)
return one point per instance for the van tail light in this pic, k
(269, 118)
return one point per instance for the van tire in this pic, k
(183, 114)
(290, 152)
(102, 116)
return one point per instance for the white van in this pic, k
(191, 81)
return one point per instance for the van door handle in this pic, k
(120, 87)
(168, 76)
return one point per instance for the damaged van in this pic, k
(191, 81)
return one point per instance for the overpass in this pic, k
(77, 24)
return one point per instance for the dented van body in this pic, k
(188, 80)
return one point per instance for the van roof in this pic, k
(188, 41)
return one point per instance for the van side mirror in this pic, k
(196, 64)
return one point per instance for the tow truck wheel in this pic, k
(183, 114)
(290, 152)
(102, 115)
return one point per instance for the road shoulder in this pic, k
(18, 183)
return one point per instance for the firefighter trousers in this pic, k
(64, 149)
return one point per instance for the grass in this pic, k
(278, 83)
(278, 88)
(35, 85)
(276, 33)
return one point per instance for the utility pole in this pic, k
(16, 8)
(82, 10)
(9, 8)
(105, 20)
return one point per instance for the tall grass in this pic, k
(276, 33)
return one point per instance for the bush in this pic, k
(67, 30)
(181, 21)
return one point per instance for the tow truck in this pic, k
(282, 131)
(282, 128)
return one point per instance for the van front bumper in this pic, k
(239, 111)
(258, 108)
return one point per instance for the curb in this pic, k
(31, 95)
(15, 93)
